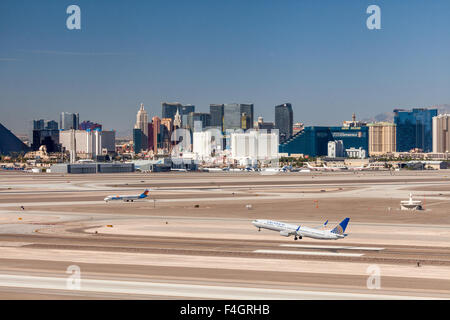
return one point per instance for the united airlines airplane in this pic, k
(286, 229)
(128, 198)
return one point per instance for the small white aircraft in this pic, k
(361, 168)
(286, 229)
(310, 167)
(340, 168)
(130, 198)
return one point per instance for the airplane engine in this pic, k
(284, 233)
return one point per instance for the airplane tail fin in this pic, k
(145, 193)
(340, 228)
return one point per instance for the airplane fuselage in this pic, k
(286, 229)
(129, 198)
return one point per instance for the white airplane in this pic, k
(316, 168)
(286, 229)
(361, 168)
(341, 168)
(128, 198)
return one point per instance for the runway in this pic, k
(186, 291)
(194, 239)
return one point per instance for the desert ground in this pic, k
(192, 238)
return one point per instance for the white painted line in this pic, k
(185, 290)
(330, 247)
(310, 253)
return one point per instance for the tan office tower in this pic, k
(382, 138)
(142, 120)
(142, 124)
(441, 134)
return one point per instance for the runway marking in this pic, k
(310, 253)
(331, 247)
(184, 290)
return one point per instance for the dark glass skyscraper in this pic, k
(138, 135)
(248, 109)
(231, 116)
(69, 121)
(204, 118)
(414, 129)
(216, 111)
(284, 121)
(170, 109)
(45, 132)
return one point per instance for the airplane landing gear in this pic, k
(295, 238)
(259, 229)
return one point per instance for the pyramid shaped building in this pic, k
(9, 143)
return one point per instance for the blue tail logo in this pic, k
(144, 194)
(340, 228)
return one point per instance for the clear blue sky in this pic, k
(318, 55)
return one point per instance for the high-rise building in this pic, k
(248, 110)
(254, 145)
(184, 113)
(197, 121)
(414, 129)
(231, 117)
(42, 124)
(216, 111)
(177, 120)
(156, 134)
(45, 132)
(46, 137)
(382, 138)
(142, 124)
(88, 144)
(69, 121)
(284, 120)
(51, 125)
(441, 133)
(246, 122)
(39, 124)
(166, 133)
(150, 139)
(335, 149)
(170, 109)
(137, 140)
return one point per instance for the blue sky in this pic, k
(318, 55)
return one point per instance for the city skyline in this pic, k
(303, 59)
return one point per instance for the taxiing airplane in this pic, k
(361, 168)
(130, 198)
(286, 229)
(324, 168)
(340, 168)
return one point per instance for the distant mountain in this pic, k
(389, 116)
